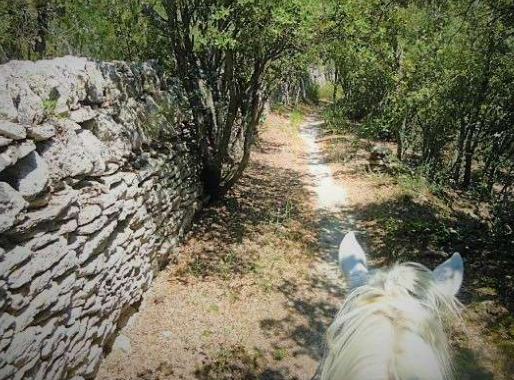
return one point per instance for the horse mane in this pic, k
(392, 328)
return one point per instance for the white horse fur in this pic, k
(392, 324)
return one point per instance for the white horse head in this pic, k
(392, 324)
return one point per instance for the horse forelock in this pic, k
(391, 328)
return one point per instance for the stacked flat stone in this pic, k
(97, 186)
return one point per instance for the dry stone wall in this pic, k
(98, 183)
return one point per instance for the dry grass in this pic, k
(240, 301)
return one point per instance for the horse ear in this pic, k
(449, 275)
(352, 260)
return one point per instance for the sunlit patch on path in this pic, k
(329, 195)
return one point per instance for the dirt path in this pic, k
(256, 284)
(329, 201)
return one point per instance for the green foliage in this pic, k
(435, 78)
(226, 54)
(297, 117)
(49, 106)
(327, 90)
(103, 29)
(279, 354)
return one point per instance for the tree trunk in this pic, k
(255, 108)
(336, 81)
(399, 140)
(220, 98)
(457, 166)
(468, 157)
(471, 137)
(43, 14)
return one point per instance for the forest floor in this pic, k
(254, 287)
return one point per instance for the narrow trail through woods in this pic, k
(256, 283)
